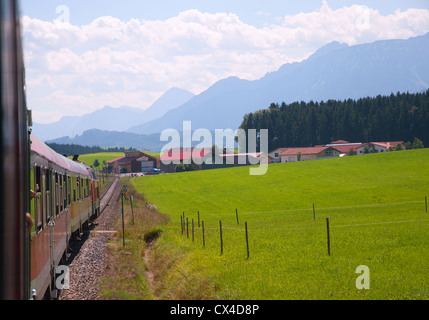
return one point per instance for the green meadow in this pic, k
(106, 156)
(377, 217)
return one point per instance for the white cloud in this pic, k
(76, 69)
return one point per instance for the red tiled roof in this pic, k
(387, 144)
(310, 150)
(283, 149)
(125, 160)
(229, 155)
(184, 155)
(346, 147)
(339, 142)
(114, 160)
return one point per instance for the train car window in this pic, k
(68, 190)
(57, 207)
(87, 187)
(48, 194)
(79, 185)
(60, 178)
(43, 197)
(74, 191)
(37, 187)
(64, 192)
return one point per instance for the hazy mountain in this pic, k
(335, 71)
(113, 119)
(171, 99)
(104, 138)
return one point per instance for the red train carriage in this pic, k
(63, 205)
(66, 192)
(95, 193)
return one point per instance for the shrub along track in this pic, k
(130, 270)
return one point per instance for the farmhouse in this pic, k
(274, 156)
(172, 157)
(311, 153)
(241, 159)
(133, 161)
(363, 148)
(147, 162)
(112, 165)
(344, 147)
(379, 147)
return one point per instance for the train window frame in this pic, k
(47, 194)
(68, 190)
(57, 195)
(38, 208)
(79, 186)
(88, 183)
(64, 191)
(74, 190)
(61, 192)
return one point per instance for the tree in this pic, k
(400, 116)
(96, 163)
(418, 144)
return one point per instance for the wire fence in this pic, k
(186, 221)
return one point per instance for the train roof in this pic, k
(39, 147)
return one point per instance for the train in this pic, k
(66, 196)
(45, 198)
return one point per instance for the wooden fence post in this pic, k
(221, 240)
(187, 227)
(236, 214)
(314, 213)
(181, 223)
(132, 211)
(247, 240)
(192, 229)
(329, 240)
(204, 240)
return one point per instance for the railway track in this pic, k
(88, 261)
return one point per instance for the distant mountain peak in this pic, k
(328, 48)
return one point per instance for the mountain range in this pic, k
(335, 71)
(113, 119)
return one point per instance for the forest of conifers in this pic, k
(397, 117)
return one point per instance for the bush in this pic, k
(418, 144)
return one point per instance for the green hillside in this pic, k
(376, 209)
(106, 156)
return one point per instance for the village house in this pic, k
(345, 147)
(274, 156)
(241, 159)
(172, 157)
(338, 148)
(133, 161)
(368, 147)
(379, 147)
(310, 153)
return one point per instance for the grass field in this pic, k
(376, 209)
(90, 158)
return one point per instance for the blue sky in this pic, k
(82, 55)
(255, 12)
